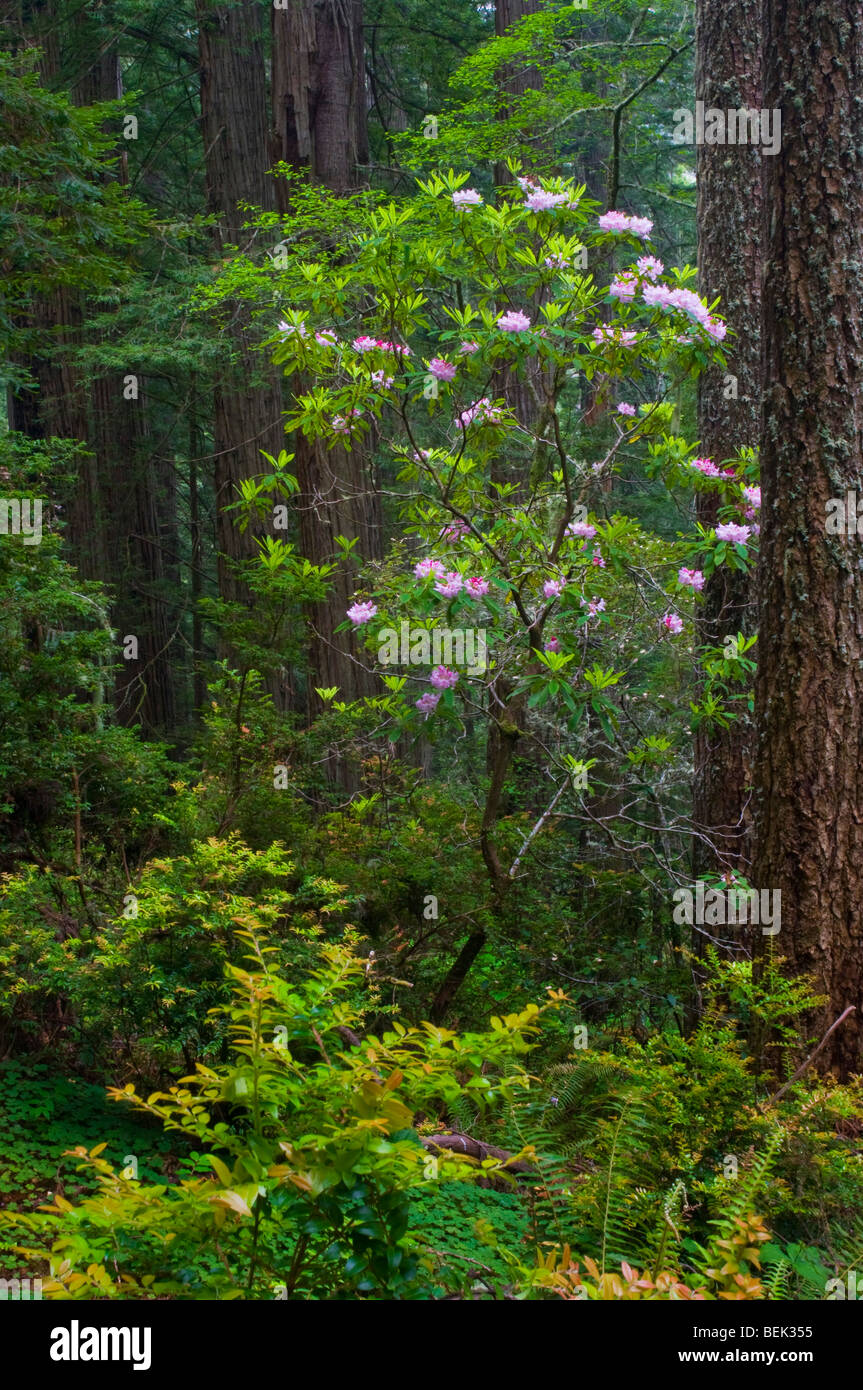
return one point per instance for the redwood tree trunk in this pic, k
(728, 76)
(234, 125)
(515, 79)
(809, 691)
(319, 130)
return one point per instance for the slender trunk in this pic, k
(728, 77)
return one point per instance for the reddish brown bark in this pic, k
(319, 130)
(809, 691)
(234, 126)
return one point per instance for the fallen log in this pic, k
(475, 1148)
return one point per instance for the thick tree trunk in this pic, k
(319, 97)
(515, 79)
(319, 130)
(809, 690)
(234, 125)
(728, 76)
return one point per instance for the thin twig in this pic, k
(801, 1069)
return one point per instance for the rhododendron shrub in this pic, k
(507, 499)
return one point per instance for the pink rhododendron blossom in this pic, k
(649, 267)
(640, 226)
(291, 330)
(540, 200)
(365, 343)
(693, 578)
(657, 296)
(468, 346)
(736, 535)
(476, 586)
(557, 262)
(425, 568)
(672, 623)
(705, 466)
(624, 408)
(466, 198)
(442, 678)
(553, 645)
(613, 222)
(753, 496)
(552, 587)
(623, 287)
(360, 613)
(716, 328)
(689, 302)
(326, 337)
(598, 559)
(427, 704)
(381, 379)
(440, 368)
(342, 424)
(449, 584)
(513, 321)
(482, 412)
(582, 530)
(594, 606)
(454, 532)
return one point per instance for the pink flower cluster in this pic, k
(753, 496)
(513, 321)
(734, 534)
(557, 262)
(454, 532)
(442, 678)
(688, 302)
(367, 344)
(624, 408)
(325, 337)
(466, 198)
(342, 423)
(623, 287)
(594, 606)
(476, 586)
(360, 613)
(705, 466)
(649, 267)
(427, 704)
(441, 369)
(449, 584)
(468, 346)
(552, 588)
(672, 623)
(694, 579)
(424, 569)
(622, 222)
(582, 530)
(540, 200)
(482, 412)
